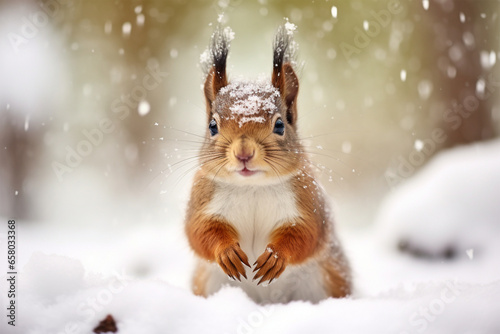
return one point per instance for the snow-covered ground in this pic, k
(71, 279)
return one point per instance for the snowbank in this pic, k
(71, 279)
(58, 298)
(452, 205)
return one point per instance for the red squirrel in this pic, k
(256, 214)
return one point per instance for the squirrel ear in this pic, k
(214, 82)
(288, 85)
(284, 77)
(216, 69)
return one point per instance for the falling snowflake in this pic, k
(419, 145)
(334, 12)
(143, 108)
(402, 75)
(126, 29)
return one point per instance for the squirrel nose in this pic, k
(244, 156)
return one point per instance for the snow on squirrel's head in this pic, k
(251, 125)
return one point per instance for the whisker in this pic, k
(274, 160)
(223, 137)
(171, 169)
(225, 163)
(351, 154)
(270, 163)
(187, 172)
(193, 159)
(216, 145)
(299, 152)
(328, 156)
(328, 134)
(187, 132)
(182, 140)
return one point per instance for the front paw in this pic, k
(231, 260)
(270, 265)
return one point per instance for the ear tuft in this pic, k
(284, 77)
(214, 63)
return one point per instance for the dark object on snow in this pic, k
(106, 326)
(448, 253)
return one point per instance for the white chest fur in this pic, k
(254, 211)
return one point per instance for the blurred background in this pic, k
(101, 106)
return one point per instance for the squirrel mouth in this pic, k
(246, 172)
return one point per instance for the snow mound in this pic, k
(155, 306)
(56, 276)
(450, 206)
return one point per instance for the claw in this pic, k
(231, 261)
(242, 256)
(264, 261)
(259, 274)
(244, 261)
(269, 266)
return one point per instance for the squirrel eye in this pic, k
(213, 127)
(279, 127)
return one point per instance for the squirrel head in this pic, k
(251, 125)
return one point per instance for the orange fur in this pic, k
(212, 238)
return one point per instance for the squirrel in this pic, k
(256, 214)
